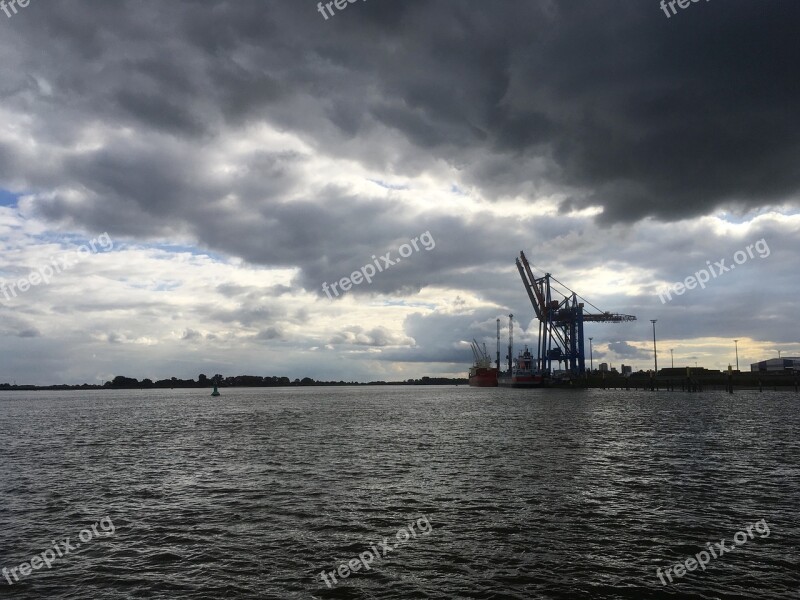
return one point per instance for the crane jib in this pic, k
(561, 317)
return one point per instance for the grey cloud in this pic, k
(632, 127)
(269, 334)
(191, 335)
(627, 350)
(377, 337)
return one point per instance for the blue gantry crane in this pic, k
(561, 320)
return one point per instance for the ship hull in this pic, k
(520, 381)
(483, 378)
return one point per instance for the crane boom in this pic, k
(560, 320)
(607, 317)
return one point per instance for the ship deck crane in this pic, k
(560, 320)
(482, 358)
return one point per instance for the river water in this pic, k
(471, 493)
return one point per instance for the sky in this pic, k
(193, 173)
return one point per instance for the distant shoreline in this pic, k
(668, 379)
(242, 381)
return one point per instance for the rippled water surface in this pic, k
(529, 494)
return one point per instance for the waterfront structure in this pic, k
(561, 317)
(779, 365)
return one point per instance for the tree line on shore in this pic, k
(122, 382)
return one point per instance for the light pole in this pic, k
(655, 352)
(672, 357)
(779, 353)
(736, 342)
(591, 355)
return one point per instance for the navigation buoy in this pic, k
(215, 392)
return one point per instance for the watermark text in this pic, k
(365, 559)
(702, 558)
(703, 276)
(57, 264)
(368, 271)
(10, 7)
(682, 4)
(340, 4)
(60, 550)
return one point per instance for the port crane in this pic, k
(561, 320)
(481, 355)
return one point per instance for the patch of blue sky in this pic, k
(166, 286)
(161, 285)
(70, 240)
(79, 239)
(429, 305)
(186, 249)
(8, 198)
(747, 216)
(389, 186)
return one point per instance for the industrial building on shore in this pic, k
(777, 365)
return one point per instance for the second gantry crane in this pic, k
(560, 320)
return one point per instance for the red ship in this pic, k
(523, 374)
(482, 373)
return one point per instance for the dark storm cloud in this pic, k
(637, 113)
(18, 328)
(191, 335)
(270, 334)
(158, 113)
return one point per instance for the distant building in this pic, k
(777, 365)
(627, 370)
(603, 367)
